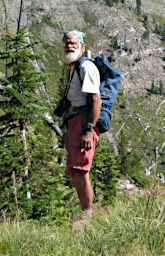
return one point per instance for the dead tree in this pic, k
(6, 28)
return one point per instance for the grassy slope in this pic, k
(131, 228)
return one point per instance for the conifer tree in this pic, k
(163, 33)
(19, 104)
(161, 87)
(22, 110)
(106, 172)
(123, 154)
(138, 6)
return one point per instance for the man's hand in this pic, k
(86, 140)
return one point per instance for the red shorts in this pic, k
(77, 157)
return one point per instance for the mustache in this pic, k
(70, 50)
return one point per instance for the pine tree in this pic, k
(20, 106)
(110, 3)
(138, 6)
(163, 33)
(22, 110)
(123, 154)
(161, 88)
(105, 172)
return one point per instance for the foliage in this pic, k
(156, 90)
(161, 90)
(89, 18)
(111, 3)
(146, 34)
(22, 111)
(104, 172)
(160, 26)
(89, 39)
(49, 197)
(51, 58)
(114, 42)
(158, 18)
(145, 16)
(130, 163)
(50, 200)
(138, 6)
(47, 20)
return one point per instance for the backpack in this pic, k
(110, 79)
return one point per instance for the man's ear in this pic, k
(83, 46)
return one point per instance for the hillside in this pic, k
(133, 42)
(129, 41)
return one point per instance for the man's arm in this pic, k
(87, 138)
(95, 111)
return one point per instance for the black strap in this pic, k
(77, 68)
(69, 81)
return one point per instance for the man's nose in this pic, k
(69, 45)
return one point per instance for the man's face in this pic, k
(73, 49)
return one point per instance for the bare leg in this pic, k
(84, 189)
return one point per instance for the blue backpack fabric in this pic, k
(110, 79)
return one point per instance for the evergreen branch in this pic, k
(6, 117)
(8, 129)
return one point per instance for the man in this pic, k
(82, 130)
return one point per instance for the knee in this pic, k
(80, 178)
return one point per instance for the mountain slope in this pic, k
(131, 44)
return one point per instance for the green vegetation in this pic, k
(47, 20)
(89, 39)
(89, 18)
(160, 26)
(156, 89)
(138, 6)
(111, 3)
(104, 172)
(142, 127)
(51, 58)
(131, 228)
(27, 161)
(157, 18)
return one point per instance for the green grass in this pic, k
(158, 18)
(89, 18)
(47, 20)
(131, 228)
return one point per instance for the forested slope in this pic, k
(131, 34)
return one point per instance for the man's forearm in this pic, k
(96, 107)
(86, 139)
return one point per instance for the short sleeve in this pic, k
(91, 77)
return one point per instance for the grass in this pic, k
(158, 18)
(131, 228)
(89, 18)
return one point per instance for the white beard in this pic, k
(71, 56)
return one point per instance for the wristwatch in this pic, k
(89, 127)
